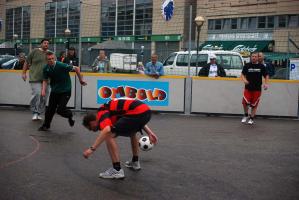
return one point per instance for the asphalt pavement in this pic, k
(197, 157)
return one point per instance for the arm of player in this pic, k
(106, 132)
(44, 86)
(77, 70)
(152, 136)
(25, 68)
(243, 78)
(266, 84)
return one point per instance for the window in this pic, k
(234, 23)
(226, 24)
(293, 21)
(202, 60)
(182, 60)
(229, 61)
(18, 22)
(244, 23)
(282, 21)
(252, 23)
(261, 22)
(210, 24)
(270, 22)
(218, 24)
(63, 13)
(170, 59)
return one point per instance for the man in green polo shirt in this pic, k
(35, 62)
(60, 82)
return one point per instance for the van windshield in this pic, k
(170, 59)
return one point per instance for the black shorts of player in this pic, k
(130, 124)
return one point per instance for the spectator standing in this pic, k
(252, 76)
(61, 87)
(212, 69)
(21, 61)
(154, 68)
(71, 58)
(101, 63)
(268, 65)
(35, 62)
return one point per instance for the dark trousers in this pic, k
(57, 103)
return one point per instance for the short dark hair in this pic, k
(72, 48)
(88, 118)
(50, 53)
(45, 39)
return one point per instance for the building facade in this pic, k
(250, 25)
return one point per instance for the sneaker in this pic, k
(39, 117)
(133, 165)
(71, 122)
(43, 128)
(112, 173)
(250, 121)
(35, 117)
(244, 119)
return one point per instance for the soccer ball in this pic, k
(145, 144)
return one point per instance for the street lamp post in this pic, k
(199, 21)
(67, 33)
(15, 37)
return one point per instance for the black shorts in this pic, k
(130, 124)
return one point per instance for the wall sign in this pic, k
(151, 93)
(241, 36)
(167, 9)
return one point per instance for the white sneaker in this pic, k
(112, 173)
(39, 117)
(35, 117)
(250, 122)
(244, 119)
(133, 165)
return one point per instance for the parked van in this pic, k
(177, 63)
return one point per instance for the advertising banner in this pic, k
(294, 69)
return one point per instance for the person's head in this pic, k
(261, 57)
(90, 122)
(213, 59)
(44, 44)
(62, 54)
(71, 52)
(50, 58)
(254, 57)
(154, 58)
(102, 55)
(22, 56)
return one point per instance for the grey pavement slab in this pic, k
(197, 158)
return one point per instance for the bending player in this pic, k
(252, 76)
(119, 117)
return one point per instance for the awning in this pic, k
(242, 47)
(280, 55)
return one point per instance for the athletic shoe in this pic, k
(133, 165)
(43, 128)
(250, 121)
(39, 117)
(244, 119)
(112, 173)
(71, 122)
(35, 117)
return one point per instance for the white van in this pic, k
(177, 63)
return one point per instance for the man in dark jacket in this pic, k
(212, 69)
(71, 58)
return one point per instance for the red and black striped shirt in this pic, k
(111, 111)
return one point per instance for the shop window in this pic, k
(218, 24)
(244, 23)
(234, 23)
(282, 21)
(210, 24)
(270, 22)
(261, 22)
(293, 21)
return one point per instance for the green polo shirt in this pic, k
(37, 60)
(60, 80)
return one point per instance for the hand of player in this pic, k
(246, 82)
(87, 153)
(83, 83)
(265, 86)
(153, 138)
(24, 76)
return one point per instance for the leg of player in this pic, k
(116, 171)
(252, 115)
(245, 108)
(134, 163)
(152, 136)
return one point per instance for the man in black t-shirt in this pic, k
(252, 75)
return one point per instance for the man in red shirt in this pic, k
(252, 76)
(119, 117)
